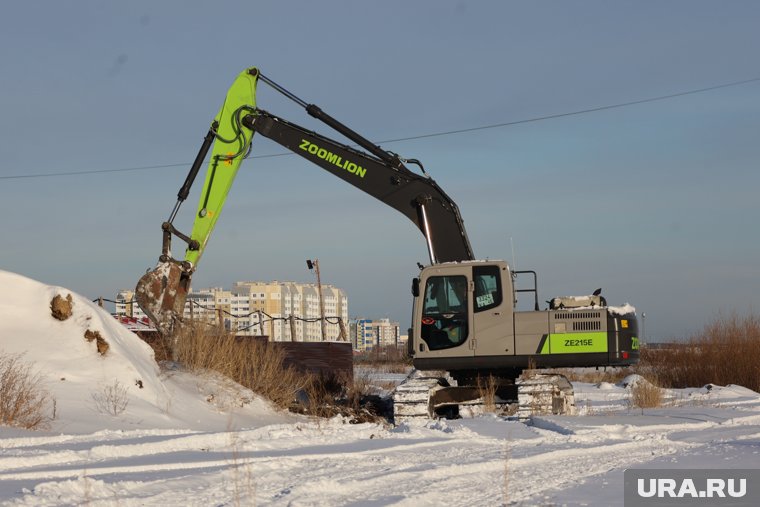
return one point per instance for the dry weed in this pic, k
(260, 366)
(723, 353)
(646, 395)
(389, 359)
(611, 375)
(23, 399)
(249, 362)
(487, 387)
(243, 485)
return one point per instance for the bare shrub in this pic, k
(111, 399)
(249, 362)
(723, 353)
(23, 399)
(645, 394)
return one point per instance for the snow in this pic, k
(76, 374)
(622, 310)
(185, 439)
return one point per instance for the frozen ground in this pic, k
(188, 440)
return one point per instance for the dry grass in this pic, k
(388, 359)
(724, 352)
(487, 387)
(646, 395)
(23, 399)
(610, 375)
(243, 485)
(248, 362)
(261, 367)
(356, 391)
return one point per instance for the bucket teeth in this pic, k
(161, 293)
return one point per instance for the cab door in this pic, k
(445, 313)
(492, 310)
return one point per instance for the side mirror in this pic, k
(415, 287)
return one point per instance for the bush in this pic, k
(724, 352)
(111, 399)
(23, 399)
(645, 394)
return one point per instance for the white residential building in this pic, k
(263, 308)
(126, 306)
(280, 300)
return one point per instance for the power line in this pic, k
(93, 171)
(573, 113)
(421, 136)
(120, 170)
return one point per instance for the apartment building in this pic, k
(263, 308)
(126, 306)
(367, 334)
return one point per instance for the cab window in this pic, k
(445, 312)
(487, 287)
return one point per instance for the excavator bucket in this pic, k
(161, 293)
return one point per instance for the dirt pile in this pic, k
(61, 308)
(100, 342)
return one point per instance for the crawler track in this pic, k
(429, 395)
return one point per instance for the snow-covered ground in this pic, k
(184, 439)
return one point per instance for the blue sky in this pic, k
(655, 202)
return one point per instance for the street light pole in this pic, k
(643, 328)
(315, 266)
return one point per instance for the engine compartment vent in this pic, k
(578, 315)
(585, 325)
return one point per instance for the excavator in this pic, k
(466, 329)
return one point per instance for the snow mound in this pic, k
(118, 385)
(633, 380)
(61, 352)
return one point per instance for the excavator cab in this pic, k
(465, 318)
(445, 317)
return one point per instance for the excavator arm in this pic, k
(162, 292)
(418, 197)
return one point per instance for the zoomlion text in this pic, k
(334, 159)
